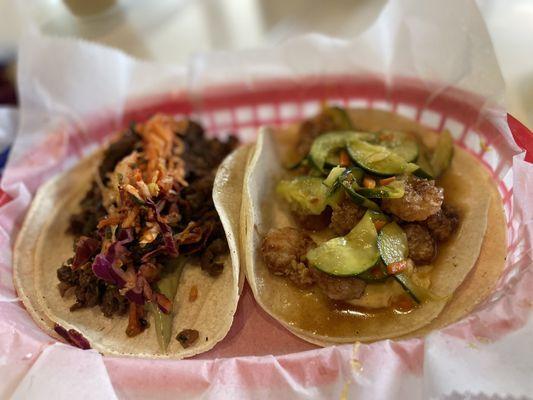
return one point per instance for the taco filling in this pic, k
(149, 210)
(370, 215)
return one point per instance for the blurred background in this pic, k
(171, 30)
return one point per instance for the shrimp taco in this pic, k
(360, 225)
(134, 250)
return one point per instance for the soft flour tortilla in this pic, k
(308, 313)
(43, 245)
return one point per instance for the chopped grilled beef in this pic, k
(116, 151)
(421, 200)
(187, 337)
(339, 288)
(443, 224)
(284, 252)
(92, 210)
(421, 245)
(90, 291)
(113, 302)
(210, 260)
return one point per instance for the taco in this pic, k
(361, 225)
(134, 250)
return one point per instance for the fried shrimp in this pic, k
(339, 288)
(421, 200)
(284, 252)
(421, 244)
(442, 224)
(345, 216)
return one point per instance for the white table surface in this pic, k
(171, 30)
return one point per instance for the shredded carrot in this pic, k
(369, 182)
(193, 294)
(397, 267)
(380, 223)
(386, 181)
(109, 221)
(344, 159)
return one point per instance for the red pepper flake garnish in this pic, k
(403, 303)
(377, 272)
(344, 159)
(369, 182)
(397, 267)
(193, 294)
(386, 181)
(379, 223)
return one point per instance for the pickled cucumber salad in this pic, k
(369, 212)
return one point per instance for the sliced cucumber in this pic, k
(392, 244)
(357, 198)
(325, 146)
(425, 169)
(376, 159)
(307, 194)
(393, 190)
(340, 117)
(417, 293)
(332, 159)
(393, 247)
(378, 216)
(443, 153)
(333, 176)
(402, 143)
(348, 255)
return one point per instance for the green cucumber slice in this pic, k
(393, 247)
(348, 255)
(393, 190)
(403, 144)
(333, 176)
(307, 194)
(357, 198)
(392, 243)
(425, 169)
(376, 159)
(332, 159)
(340, 117)
(325, 146)
(443, 153)
(417, 293)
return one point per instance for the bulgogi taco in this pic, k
(155, 266)
(361, 225)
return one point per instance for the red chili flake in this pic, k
(386, 181)
(396, 267)
(369, 182)
(379, 223)
(193, 294)
(403, 303)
